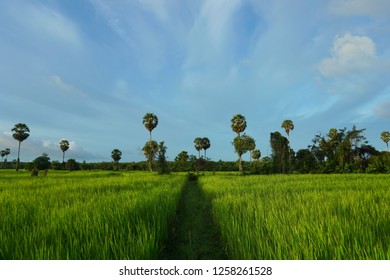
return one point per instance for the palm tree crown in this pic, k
(288, 126)
(64, 145)
(198, 143)
(238, 123)
(385, 136)
(150, 121)
(21, 133)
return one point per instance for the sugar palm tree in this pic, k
(198, 144)
(150, 122)
(288, 126)
(206, 145)
(238, 124)
(2, 154)
(7, 152)
(64, 145)
(116, 156)
(385, 136)
(21, 133)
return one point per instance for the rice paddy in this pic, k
(128, 215)
(297, 217)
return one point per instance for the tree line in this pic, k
(337, 151)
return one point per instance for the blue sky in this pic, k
(88, 71)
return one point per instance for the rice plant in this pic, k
(86, 215)
(302, 216)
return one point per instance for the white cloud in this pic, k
(374, 8)
(350, 54)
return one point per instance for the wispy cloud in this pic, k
(64, 87)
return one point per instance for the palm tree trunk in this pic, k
(240, 163)
(17, 162)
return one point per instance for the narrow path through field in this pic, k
(193, 235)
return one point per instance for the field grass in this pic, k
(128, 215)
(85, 215)
(302, 216)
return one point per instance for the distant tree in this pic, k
(150, 150)
(256, 154)
(242, 144)
(198, 144)
(116, 156)
(280, 153)
(181, 161)
(385, 136)
(305, 162)
(150, 122)
(2, 154)
(251, 145)
(42, 162)
(21, 133)
(64, 146)
(288, 126)
(161, 159)
(7, 152)
(238, 124)
(205, 145)
(72, 165)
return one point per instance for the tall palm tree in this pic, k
(2, 154)
(238, 123)
(288, 126)
(21, 133)
(7, 152)
(198, 143)
(385, 136)
(150, 122)
(206, 145)
(116, 156)
(64, 145)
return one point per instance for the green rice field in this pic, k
(128, 215)
(85, 215)
(302, 216)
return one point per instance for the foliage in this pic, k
(21, 133)
(182, 161)
(161, 159)
(242, 144)
(288, 126)
(42, 162)
(72, 165)
(205, 145)
(280, 152)
(238, 124)
(116, 156)
(150, 122)
(64, 146)
(385, 136)
(150, 150)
